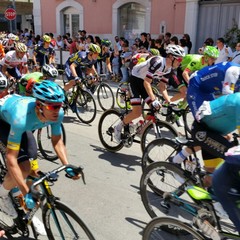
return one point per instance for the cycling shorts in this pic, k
(138, 91)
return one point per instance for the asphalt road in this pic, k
(110, 202)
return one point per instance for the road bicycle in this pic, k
(175, 194)
(104, 92)
(60, 221)
(164, 149)
(44, 141)
(82, 103)
(151, 128)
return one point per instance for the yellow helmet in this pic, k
(21, 47)
(46, 38)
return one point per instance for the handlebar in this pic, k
(52, 176)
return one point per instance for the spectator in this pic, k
(115, 64)
(188, 42)
(117, 43)
(84, 34)
(225, 52)
(208, 42)
(236, 54)
(152, 43)
(174, 40)
(158, 46)
(144, 43)
(183, 44)
(89, 40)
(53, 40)
(165, 43)
(59, 42)
(125, 59)
(137, 41)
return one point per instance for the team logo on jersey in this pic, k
(201, 136)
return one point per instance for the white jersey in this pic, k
(155, 65)
(12, 61)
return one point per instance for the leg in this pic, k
(224, 180)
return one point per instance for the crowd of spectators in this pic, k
(121, 51)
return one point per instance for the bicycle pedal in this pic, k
(165, 205)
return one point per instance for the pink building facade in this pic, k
(108, 18)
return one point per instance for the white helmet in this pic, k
(175, 50)
(3, 82)
(12, 36)
(49, 71)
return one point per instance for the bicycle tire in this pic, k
(170, 228)
(160, 149)
(45, 146)
(64, 216)
(86, 109)
(188, 121)
(121, 97)
(157, 179)
(105, 97)
(164, 130)
(107, 121)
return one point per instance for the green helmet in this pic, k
(154, 52)
(106, 42)
(94, 48)
(211, 51)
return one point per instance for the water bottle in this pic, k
(18, 197)
(191, 165)
(131, 127)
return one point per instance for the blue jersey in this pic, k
(42, 54)
(205, 83)
(19, 112)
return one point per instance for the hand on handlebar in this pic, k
(71, 174)
(156, 104)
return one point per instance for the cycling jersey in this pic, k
(192, 63)
(153, 66)
(205, 83)
(42, 54)
(80, 59)
(20, 113)
(7, 45)
(11, 60)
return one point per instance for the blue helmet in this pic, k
(48, 91)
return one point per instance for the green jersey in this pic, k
(37, 76)
(192, 62)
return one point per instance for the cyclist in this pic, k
(140, 86)
(209, 133)
(14, 64)
(27, 81)
(21, 115)
(43, 53)
(74, 64)
(10, 42)
(178, 81)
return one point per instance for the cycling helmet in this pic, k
(12, 37)
(46, 38)
(21, 47)
(154, 52)
(106, 42)
(3, 82)
(48, 91)
(94, 48)
(175, 50)
(211, 51)
(49, 71)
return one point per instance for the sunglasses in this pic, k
(178, 59)
(52, 107)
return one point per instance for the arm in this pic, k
(185, 75)
(163, 90)
(73, 69)
(148, 87)
(15, 176)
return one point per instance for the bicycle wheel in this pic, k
(108, 120)
(45, 143)
(163, 129)
(105, 96)
(188, 119)
(162, 228)
(86, 107)
(122, 90)
(62, 223)
(160, 149)
(158, 179)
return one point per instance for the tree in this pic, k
(232, 36)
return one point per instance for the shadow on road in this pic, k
(118, 159)
(69, 119)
